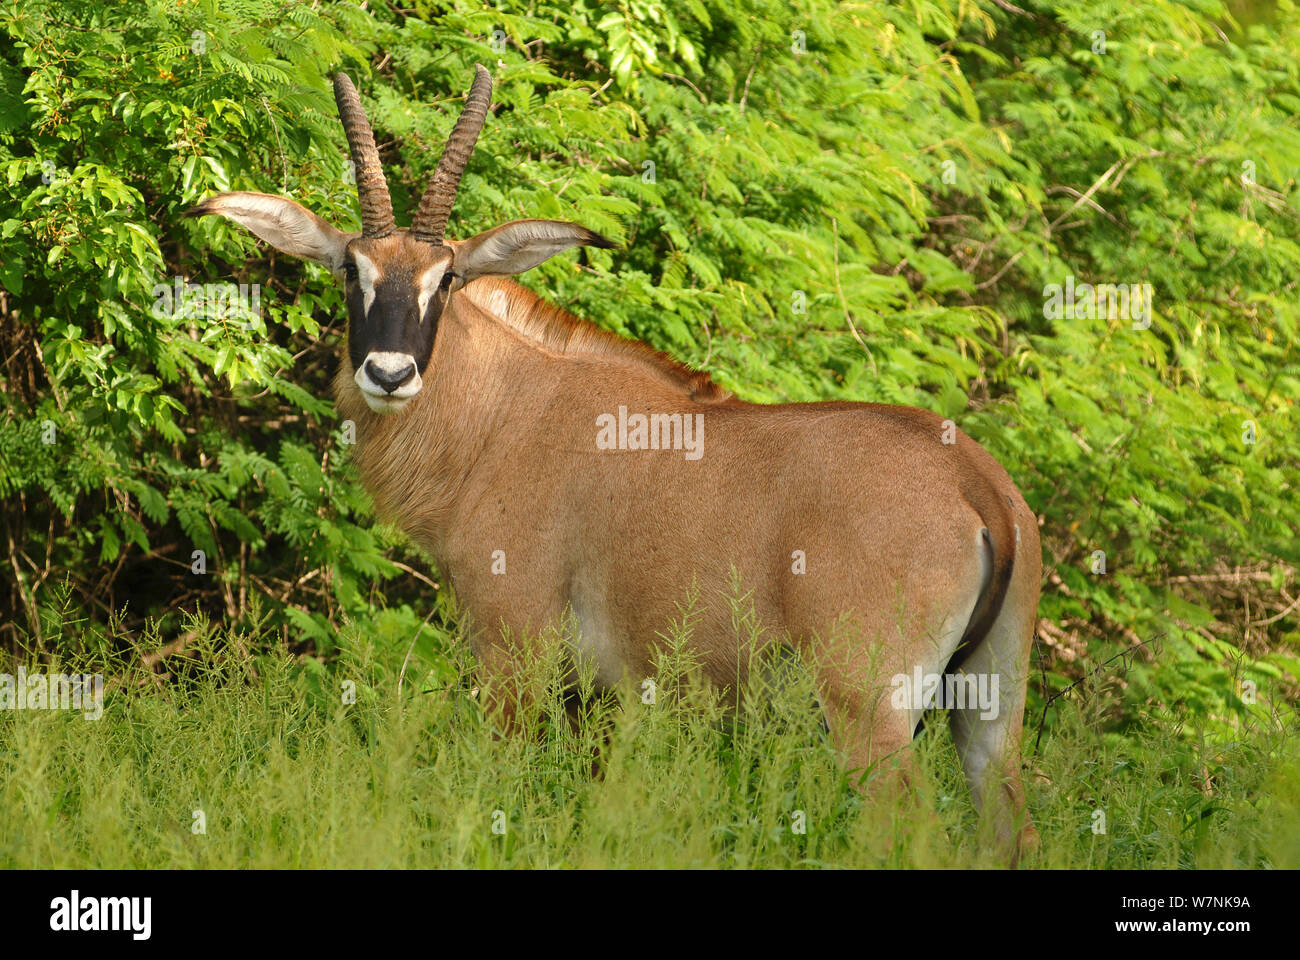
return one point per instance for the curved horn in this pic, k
(372, 188)
(435, 207)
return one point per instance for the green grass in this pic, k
(288, 775)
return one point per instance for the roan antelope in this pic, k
(498, 430)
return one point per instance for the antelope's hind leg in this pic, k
(873, 736)
(988, 741)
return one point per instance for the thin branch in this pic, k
(284, 163)
(678, 76)
(835, 227)
(415, 573)
(401, 676)
(1097, 185)
(1276, 617)
(1092, 203)
(998, 276)
(750, 76)
(1087, 676)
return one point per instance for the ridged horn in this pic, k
(435, 206)
(372, 188)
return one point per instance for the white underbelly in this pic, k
(595, 643)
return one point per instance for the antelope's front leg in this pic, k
(503, 684)
(518, 660)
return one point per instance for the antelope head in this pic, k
(398, 282)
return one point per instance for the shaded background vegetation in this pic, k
(811, 200)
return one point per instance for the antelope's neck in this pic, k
(414, 463)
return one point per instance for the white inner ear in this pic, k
(517, 246)
(368, 276)
(285, 225)
(427, 285)
(519, 249)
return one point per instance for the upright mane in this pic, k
(555, 329)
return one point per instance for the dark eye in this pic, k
(446, 280)
(350, 271)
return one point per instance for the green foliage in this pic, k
(823, 200)
(248, 761)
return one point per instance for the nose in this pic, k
(390, 380)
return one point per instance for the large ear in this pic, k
(285, 225)
(518, 246)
